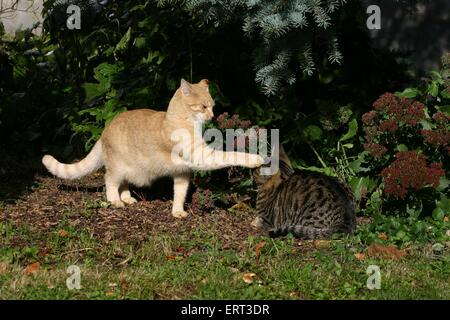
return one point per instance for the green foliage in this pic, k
(404, 231)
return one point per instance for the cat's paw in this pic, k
(257, 222)
(273, 233)
(180, 214)
(129, 200)
(117, 204)
(256, 161)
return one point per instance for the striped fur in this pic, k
(307, 204)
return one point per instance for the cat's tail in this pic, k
(304, 232)
(91, 163)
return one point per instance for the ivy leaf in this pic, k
(92, 91)
(123, 43)
(408, 93)
(402, 147)
(433, 89)
(313, 132)
(352, 129)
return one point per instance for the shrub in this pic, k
(406, 142)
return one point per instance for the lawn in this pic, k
(142, 252)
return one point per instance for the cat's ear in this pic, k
(205, 83)
(285, 163)
(185, 88)
(284, 157)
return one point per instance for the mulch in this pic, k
(55, 203)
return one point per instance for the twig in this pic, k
(77, 250)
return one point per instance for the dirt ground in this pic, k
(81, 204)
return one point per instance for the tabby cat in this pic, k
(138, 146)
(309, 205)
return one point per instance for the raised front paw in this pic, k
(257, 222)
(180, 214)
(256, 161)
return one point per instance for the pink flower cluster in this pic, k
(439, 137)
(409, 171)
(224, 121)
(400, 109)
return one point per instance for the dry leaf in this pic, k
(171, 257)
(43, 252)
(3, 267)
(382, 236)
(386, 252)
(258, 249)
(63, 233)
(241, 206)
(180, 250)
(360, 256)
(248, 277)
(320, 244)
(32, 268)
(446, 219)
(109, 293)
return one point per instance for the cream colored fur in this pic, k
(137, 147)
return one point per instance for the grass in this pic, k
(141, 252)
(196, 266)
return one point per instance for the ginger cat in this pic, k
(137, 147)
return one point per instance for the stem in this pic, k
(318, 156)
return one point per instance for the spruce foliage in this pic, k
(291, 36)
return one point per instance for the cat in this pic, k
(138, 146)
(309, 205)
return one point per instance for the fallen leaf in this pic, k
(360, 256)
(180, 250)
(248, 277)
(241, 206)
(63, 233)
(382, 236)
(43, 252)
(171, 257)
(320, 244)
(385, 252)
(3, 267)
(32, 268)
(446, 219)
(258, 249)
